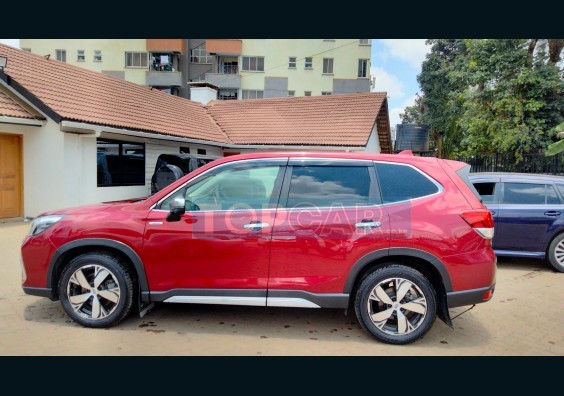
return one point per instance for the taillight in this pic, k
(480, 220)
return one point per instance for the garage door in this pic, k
(10, 176)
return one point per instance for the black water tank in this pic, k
(413, 137)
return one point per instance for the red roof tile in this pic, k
(77, 94)
(333, 120)
(82, 95)
(11, 108)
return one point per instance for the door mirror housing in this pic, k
(177, 209)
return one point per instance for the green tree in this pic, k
(442, 80)
(514, 96)
(486, 96)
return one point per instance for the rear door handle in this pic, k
(255, 226)
(552, 213)
(368, 224)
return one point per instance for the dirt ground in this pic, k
(525, 317)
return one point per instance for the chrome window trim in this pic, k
(436, 183)
(286, 161)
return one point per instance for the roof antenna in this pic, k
(47, 56)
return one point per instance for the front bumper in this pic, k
(470, 297)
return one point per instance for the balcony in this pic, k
(229, 80)
(156, 78)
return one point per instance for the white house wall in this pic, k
(373, 145)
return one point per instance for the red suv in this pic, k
(399, 238)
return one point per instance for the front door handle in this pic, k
(552, 213)
(368, 224)
(255, 226)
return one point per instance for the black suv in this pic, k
(171, 167)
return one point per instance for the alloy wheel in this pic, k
(93, 292)
(397, 306)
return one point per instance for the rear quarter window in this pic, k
(400, 182)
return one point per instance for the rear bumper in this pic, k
(470, 297)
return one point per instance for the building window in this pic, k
(61, 55)
(137, 59)
(309, 63)
(291, 93)
(120, 163)
(364, 41)
(252, 94)
(202, 151)
(327, 65)
(253, 63)
(292, 62)
(307, 93)
(363, 68)
(97, 56)
(325, 93)
(26, 49)
(200, 55)
(184, 150)
(80, 57)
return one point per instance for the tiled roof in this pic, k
(10, 108)
(78, 94)
(67, 92)
(333, 120)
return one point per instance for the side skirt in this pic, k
(260, 297)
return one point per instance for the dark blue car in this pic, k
(528, 212)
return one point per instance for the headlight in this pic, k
(40, 224)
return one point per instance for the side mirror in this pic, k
(177, 209)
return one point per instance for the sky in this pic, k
(395, 64)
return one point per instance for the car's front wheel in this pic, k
(556, 253)
(396, 304)
(96, 290)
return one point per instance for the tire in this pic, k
(103, 306)
(556, 253)
(418, 317)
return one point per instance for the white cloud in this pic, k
(396, 111)
(387, 82)
(11, 42)
(412, 51)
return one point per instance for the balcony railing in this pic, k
(229, 69)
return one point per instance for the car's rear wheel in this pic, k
(396, 304)
(556, 253)
(96, 290)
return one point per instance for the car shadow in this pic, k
(523, 264)
(262, 322)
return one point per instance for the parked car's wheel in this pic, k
(397, 304)
(556, 253)
(96, 290)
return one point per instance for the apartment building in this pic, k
(239, 68)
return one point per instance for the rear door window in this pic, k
(529, 194)
(326, 186)
(400, 182)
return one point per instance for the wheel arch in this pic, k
(552, 238)
(75, 248)
(430, 266)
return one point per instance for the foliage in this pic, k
(488, 96)
(558, 147)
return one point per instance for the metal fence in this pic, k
(531, 163)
